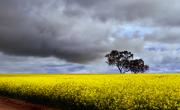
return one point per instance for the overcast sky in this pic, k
(74, 35)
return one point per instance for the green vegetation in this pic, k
(96, 92)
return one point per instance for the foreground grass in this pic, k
(96, 92)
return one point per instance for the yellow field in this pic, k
(96, 92)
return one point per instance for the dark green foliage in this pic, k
(124, 62)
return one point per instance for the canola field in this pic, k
(96, 92)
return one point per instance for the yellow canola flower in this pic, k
(96, 92)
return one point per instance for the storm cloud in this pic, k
(83, 30)
(41, 28)
(164, 35)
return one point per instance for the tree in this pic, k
(124, 62)
(138, 66)
(120, 59)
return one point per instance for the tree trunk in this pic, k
(120, 70)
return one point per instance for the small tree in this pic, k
(124, 62)
(137, 66)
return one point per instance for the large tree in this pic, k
(123, 60)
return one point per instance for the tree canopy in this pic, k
(124, 61)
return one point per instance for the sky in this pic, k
(73, 36)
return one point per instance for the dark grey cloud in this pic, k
(164, 35)
(83, 30)
(43, 28)
(154, 12)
